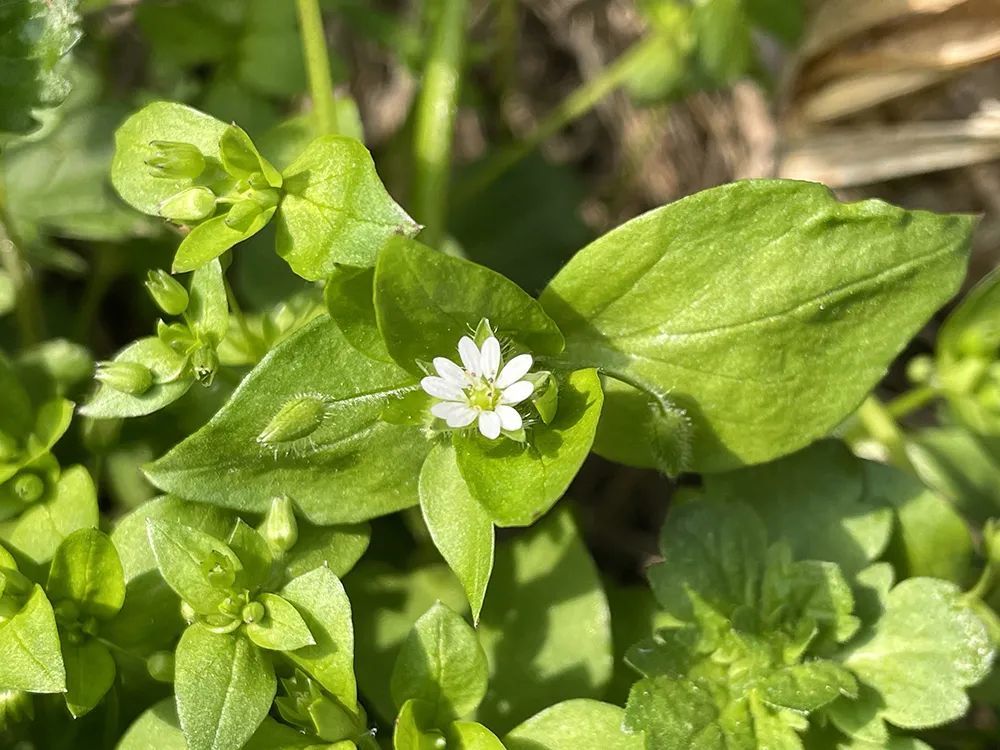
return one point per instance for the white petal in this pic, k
(489, 424)
(450, 371)
(509, 418)
(469, 353)
(456, 415)
(441, 388)
(516, 393)
(514, 370)
(490, 359)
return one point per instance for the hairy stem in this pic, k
(435, 119)
(28, 310)
(317, 59)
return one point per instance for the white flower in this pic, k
(483, 388)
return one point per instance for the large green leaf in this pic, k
(34, 36)
(744, 302)
(224, 688)
(336, 209)
(339, 463)
(30, 657)
(546, 626)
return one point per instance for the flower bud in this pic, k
(920, 369)
(160, 666)
(28, 486)
(167, 292)
(219, 570)
(297, 419)
(279, 527)
(253, 612)
(193, 204)
(205, 362)
(128, 377)
(175, 160)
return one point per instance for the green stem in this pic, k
(435, 119)
(910, 401)
(573, 107)
(506, 59)
(29, 309)
(317, 59)
(880, 426)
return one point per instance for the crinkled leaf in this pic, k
(442, 664)
(517, 483)
(350, 468)
(426, 301)
(335, 209)
(573, 725)
(656, 303)
(86, 570)
(808, 686)
(224, 687)
(546, 626)
(923, 653)
(459, 526)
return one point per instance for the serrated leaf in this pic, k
(923, 653)
(86, 570)
(460, 528)
(335, 209)
(224, 687)
(441, 664)
(653, 303)
(352, 467)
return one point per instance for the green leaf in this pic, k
(817, 501)
(242, 159)
(724, 44)
(335, 209)
(930, 538)
(30, 658)
(320, 598)
(212, 238)
(282, 628)
(90, 673)
(675, 713)
(546, 627)
(170, 382)
(653, 304)
(86, 570)
(517, 483)
(460, 528)
(208, 308)
(442, 664)
(349, 296)
(386, 604)
(807, 687)
(351, 467)
(573, 725)
(224, 687)
(425, 301)
(40, 529)
(335, 547)
(414, 729)
(37, 34)
(468, 735)
(159, 122)
(186, 558)
(254, 555)
(960, 466)
(923, 653)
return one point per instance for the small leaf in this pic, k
(807, 687)
(516, 483)
(442, 664)
(254, 555)
(208, 308)
(169, 383)
(282, 628)
(460, 528)
(90, 673)
(187, 558)
(86, 570)
(923, 653)
(574, 725)
(224, 687)
(320, 598)
(415, 728)
(30, 657)
(212, 238)
(241, 158)
(426, 301)
(468, 735)
(335, 209)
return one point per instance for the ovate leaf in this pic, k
(169, 382)
(460, 527)
(30, 657)
(282, 628)
(224, 687)
(86, 570)
(574, 725)
(90, 673)
(442, 664)
(338, 463)
(336, 209)
(657, 303)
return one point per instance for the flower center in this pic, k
(482, 395)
